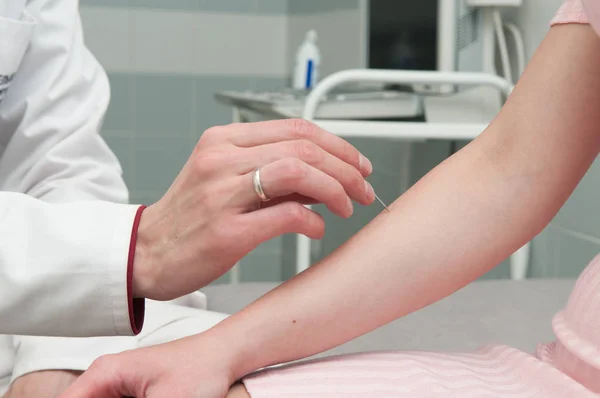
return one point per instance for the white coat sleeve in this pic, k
(166, 321)
(63, 267)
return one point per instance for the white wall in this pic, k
(341, 40)
(191, 42)
(533, 19)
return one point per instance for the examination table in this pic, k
(506, 312)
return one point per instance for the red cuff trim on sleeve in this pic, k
(137, 306)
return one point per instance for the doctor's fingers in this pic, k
(262, 225)
(292, 176)
(255, 134)
(349, 177)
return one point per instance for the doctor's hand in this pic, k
(213, 214)
(43, 384)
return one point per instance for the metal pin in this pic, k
(381, 201)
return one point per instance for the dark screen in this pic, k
(403, 34)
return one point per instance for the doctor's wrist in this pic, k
(136, 303)
(144, 268)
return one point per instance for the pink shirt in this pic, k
(579, 11)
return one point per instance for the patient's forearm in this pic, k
(461, 220)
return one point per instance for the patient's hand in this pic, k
(195, 366)
(44, 384)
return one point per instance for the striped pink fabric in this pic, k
(569, 367)
(491, 372)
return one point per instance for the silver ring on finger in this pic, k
(258, 186)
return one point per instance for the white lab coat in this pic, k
(63, 253)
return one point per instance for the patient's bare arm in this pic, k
(461, 220)
(44, 384)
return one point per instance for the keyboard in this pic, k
(380, 104)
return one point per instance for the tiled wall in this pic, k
(166, 59)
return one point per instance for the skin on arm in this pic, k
(458, 222)
(42, 384)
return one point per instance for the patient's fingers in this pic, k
(104, 379)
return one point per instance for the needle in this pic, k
(381, 201)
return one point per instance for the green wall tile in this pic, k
(288, 256)
(144, 197)
(164, 105)
(501, 271)
(223, 280)
(385, 154)
(123, 148)
(158, 161)
(106, 3)
(208, 111)
(170, 5)
(316, 6)
(426, 156)
(120, 109)
(544, 254)
(580, 213)
(271, 246)
(230, 6)
(272, 6)
(269, 83)
(574, 254)
(224, 6)
(167, 4)
(261, 267)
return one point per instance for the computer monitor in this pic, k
(443, 35)
(403, 34)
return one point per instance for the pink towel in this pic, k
(569, 367)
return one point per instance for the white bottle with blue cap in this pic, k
(308, 60)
